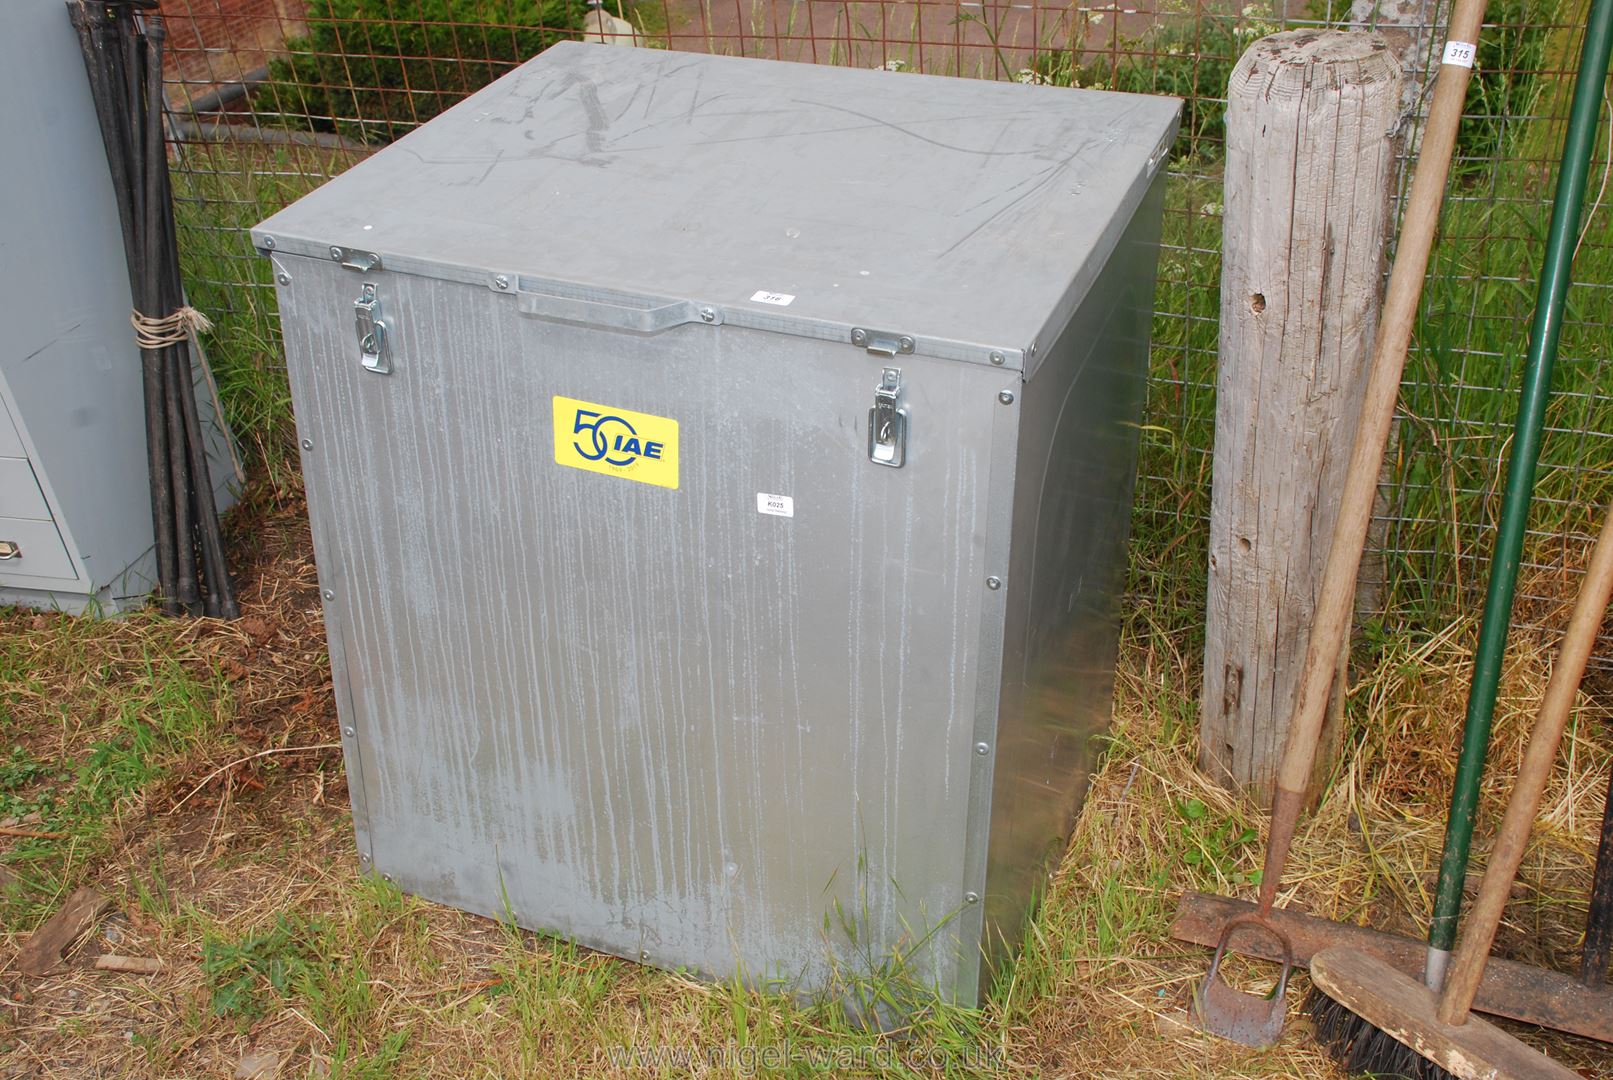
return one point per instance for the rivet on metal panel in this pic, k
(1006, 397)
(364, 858)
(643, 956)
(971, 898)
(283, 278)
(994, 583)
(997, 358)
(336, 253)
(308, 444)
(982, 749)
(859, 337)
(330, 594)
(905, 344)
(386, 877)
(708, 314)
(268, 243)
(348, 731)
(501, 281)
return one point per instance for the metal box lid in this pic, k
(962, 214)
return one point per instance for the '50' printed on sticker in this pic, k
(616, 442)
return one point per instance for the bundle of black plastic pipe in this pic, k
(122, 43)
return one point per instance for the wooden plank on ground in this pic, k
(44, 948)
(1510, 989)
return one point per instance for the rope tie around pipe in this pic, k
(170, 329)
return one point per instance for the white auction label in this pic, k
(777, 505)
(782, 299)
(1460, 53)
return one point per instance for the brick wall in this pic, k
(213, 42)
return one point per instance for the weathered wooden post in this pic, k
(1310, 122)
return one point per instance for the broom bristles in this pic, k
(1363, 1049)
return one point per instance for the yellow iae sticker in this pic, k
(616, 442)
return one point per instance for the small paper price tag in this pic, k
(1460, 53)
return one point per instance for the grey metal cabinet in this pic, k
(75, 509)
(720, 474)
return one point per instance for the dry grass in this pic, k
(1369, 855)
(229, 856)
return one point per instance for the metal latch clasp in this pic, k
(371, 330)
(887, 424)
(10, 549)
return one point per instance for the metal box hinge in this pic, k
(354, 259)
(371, 330)
(887, 423)
(880, 343)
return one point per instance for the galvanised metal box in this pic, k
(720, 473)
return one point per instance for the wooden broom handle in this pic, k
(1336, 603)
(1467, 967)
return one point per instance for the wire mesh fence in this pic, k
(269, 98)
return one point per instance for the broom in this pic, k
(1429, 1038)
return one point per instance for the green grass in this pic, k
(243, 975)
(124, 723)
(360, 70)
(342, 958)
(1463, 378)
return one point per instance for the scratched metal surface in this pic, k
(657, 721)
(955, 208)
